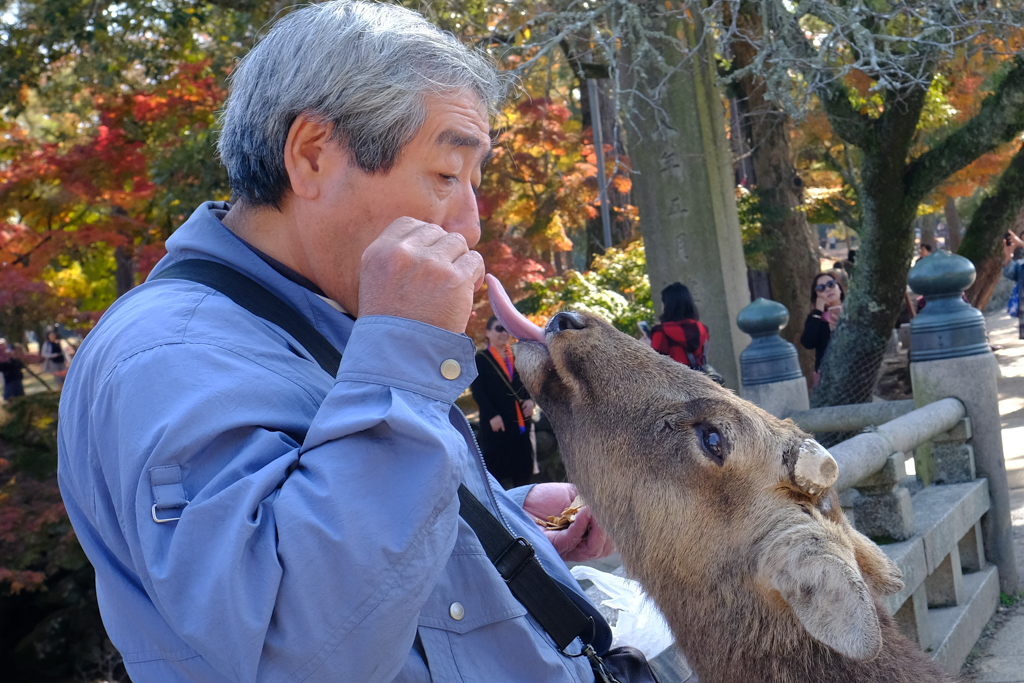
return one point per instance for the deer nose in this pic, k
(565, 321)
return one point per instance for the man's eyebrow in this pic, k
(456, 139)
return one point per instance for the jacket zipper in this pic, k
(483, 472)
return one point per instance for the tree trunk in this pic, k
(927, 223)
(124, 269)
(954, 229)
(739, 143)
(622, 227)
(1002, 210)
(611, 134)
(850, 367)
(792, 245)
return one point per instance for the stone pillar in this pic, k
(883, 512)
(685, 192)
(912, 618)
(770, 367)
(952, 457)
(950, 356)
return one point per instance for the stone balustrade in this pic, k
(947, 527)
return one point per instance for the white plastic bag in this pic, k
(640, 623)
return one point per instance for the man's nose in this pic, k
(463, 216)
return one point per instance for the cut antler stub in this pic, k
(815, 469)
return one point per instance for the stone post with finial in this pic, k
(950, 357)
(769, 366)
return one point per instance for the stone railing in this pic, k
(850, 418)
(934, 535)
(948, 526)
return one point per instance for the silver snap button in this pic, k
(450, 369)
(457, 611)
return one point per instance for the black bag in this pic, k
(624, 665)
(707, 369)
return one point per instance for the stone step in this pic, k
(942, 515)
(956, 629)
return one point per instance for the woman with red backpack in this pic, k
(680, 336)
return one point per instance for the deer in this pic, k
(725, 514)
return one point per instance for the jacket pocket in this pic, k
(469, 595)
(473, 629)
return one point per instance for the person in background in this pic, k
(10, 366)
(1013, 268)
(54, 360)
(680, 336)
(506, 410)
(827, 297)
(926, 251)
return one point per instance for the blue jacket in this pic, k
(321, 539)
(1014, 269)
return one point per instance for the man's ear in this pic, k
(818, 579)
(308, 152)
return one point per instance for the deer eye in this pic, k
(712, 442)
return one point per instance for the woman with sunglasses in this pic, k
(827, 297)
(506, 410)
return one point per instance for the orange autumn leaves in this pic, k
(539, 188)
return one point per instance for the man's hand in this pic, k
(584, 539)
(497, 424)
(418, 271)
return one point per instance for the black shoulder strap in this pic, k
(515, 560)
(259, 301)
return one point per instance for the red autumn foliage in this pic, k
(101, 181)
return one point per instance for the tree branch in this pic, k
(996, 214)
(848, 123)
(846, 171)
(900, 115)
(1000, 119)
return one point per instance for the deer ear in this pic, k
(825, 591)
(878, 570)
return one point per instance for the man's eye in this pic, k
(449, 179)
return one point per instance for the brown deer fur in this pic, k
(759, 580)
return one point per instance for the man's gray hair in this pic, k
(363, 67)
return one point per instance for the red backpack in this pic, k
(682, 341)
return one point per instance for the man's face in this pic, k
(433, 180)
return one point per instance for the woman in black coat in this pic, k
(505, 410)
(827, 296)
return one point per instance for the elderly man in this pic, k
(252, 517)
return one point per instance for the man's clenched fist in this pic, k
(419, 271)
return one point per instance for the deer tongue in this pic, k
(511, 319)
